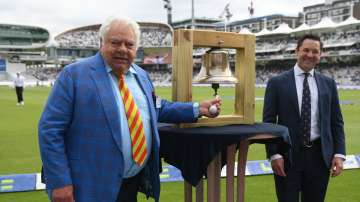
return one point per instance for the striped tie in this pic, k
(137, 134)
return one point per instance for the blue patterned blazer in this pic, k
(79, 132)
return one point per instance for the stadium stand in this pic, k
(43, 72)
(80, 39)
(152, 35)
(275, 50)
(155, 38)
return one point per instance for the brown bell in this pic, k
(215, 68)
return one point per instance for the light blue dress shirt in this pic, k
(130, 167)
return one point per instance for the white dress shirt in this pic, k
(299, 79)
(19, 81)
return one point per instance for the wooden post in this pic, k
(242, 156)
(200, 191)
(213, 174)
(187, 192)
(230, 159)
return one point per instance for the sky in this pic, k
(61, 15)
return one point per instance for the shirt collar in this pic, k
(299, 72)
(109, 69)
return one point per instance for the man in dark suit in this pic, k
(89, 128)
(307, 103)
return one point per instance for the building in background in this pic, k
(270, 22)
(23, 43)
(337, 11)
(199, 23)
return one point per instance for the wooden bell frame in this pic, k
(184, 41)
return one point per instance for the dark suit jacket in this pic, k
(79, 132)
(281, 107)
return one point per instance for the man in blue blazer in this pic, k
(84, 135)
(307, 103)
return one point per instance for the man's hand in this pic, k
(63, 194)
(336, 166)
(205, 106)
(277, 166)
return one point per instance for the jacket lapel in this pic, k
(103, 87)
(320, 85)
(292, 91)
(142, 80)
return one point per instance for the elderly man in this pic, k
(98, 133)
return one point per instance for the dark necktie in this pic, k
(306, 111)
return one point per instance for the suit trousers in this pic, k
(19, 93)
(307, 177)
(129, 188)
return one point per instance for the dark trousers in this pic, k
(19, 93)
(307, 178)
(129, 188)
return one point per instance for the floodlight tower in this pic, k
(168, 8)
(251, 9)
(227, 14)
(192, 15)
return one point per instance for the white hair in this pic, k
(105, 27)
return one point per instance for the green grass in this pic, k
(19, 151)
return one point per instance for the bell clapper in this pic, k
(213, 109)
